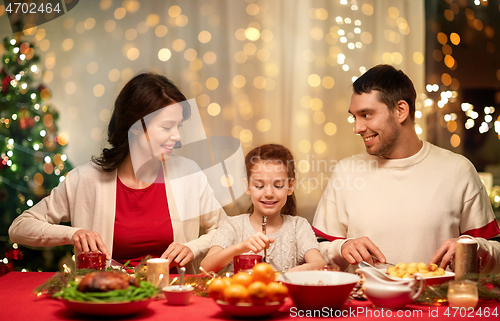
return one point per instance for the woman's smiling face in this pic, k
(163, 130)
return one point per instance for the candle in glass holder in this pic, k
(245, 262)
(462, 294)
(158, 270)
(95, 261)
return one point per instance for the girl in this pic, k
(290, 240)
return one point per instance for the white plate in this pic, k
(249, 310)
(430, 280)
(107, 309)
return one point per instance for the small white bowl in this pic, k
(177, 295)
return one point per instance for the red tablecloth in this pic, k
(17, 302)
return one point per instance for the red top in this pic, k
(142, 222)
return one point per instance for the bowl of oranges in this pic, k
(247, 294)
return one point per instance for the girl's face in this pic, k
(163, 130)
(269, 186)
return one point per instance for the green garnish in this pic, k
(132, 293)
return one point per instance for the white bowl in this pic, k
(177, 295)
(394, 296)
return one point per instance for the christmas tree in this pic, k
(32, 158)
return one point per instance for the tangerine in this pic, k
(227, 280)
(276, 291)
(263, 272)
(257, 291)
(235, 293)
(242, 278)
(217, 287)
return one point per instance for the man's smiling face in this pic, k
(375, 123)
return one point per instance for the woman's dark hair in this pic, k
(279, 154)
(393, 85)
(141, 96)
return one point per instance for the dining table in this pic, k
(18, 302)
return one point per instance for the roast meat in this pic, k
(106, 281)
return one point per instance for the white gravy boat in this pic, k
(385, 293)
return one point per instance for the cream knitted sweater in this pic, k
(87, 199)
(407, 207)
(290, 246)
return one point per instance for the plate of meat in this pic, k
(107, 294)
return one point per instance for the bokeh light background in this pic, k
(262, 71)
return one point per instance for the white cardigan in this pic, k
(87, 199)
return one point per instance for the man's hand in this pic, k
(88, 241)
(445, 254)
(178, 254)
(361, 249)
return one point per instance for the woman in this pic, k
(116, 204)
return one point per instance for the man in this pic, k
(404, 200)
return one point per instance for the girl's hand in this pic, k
(256, 243)
(88, 241)
(297, 268)
(178, 254)
(314, 261)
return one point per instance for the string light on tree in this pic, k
(27, 144)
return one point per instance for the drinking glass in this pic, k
(245, 262)
(95, 261)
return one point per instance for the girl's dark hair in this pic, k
(280, 154)
(141, 96)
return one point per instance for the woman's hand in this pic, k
(88, 241)
(178, 254)
(256, 243)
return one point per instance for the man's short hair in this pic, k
(393, 85)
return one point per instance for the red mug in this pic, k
(95, 261)
(245, 262)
